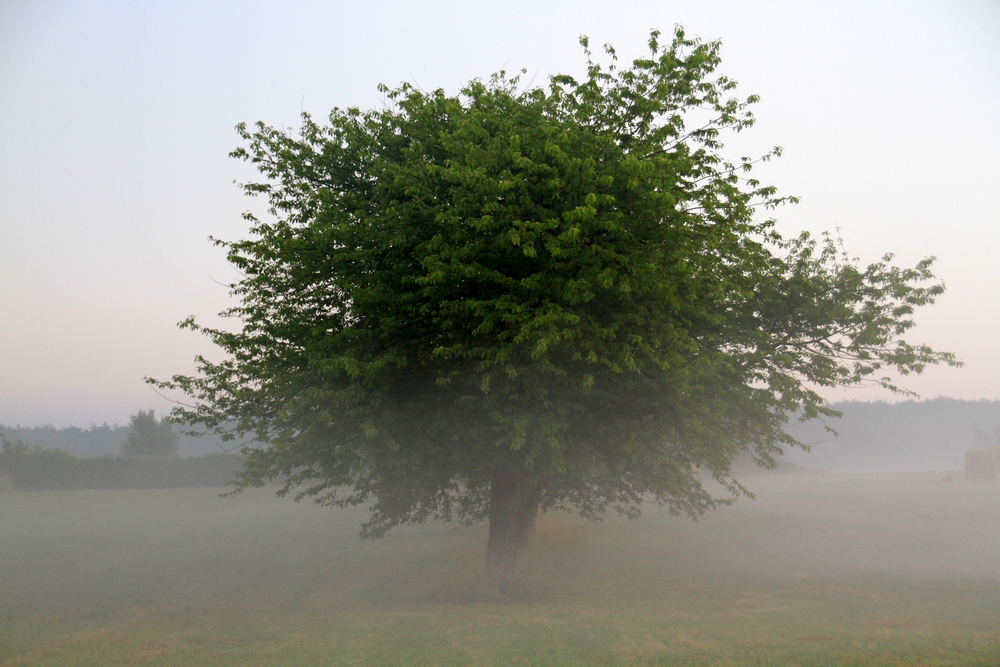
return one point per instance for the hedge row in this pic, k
(36, 469)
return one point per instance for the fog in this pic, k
(818, 561)
(821, 562)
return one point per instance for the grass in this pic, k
(821, 570)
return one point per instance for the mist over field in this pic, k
(870, 437)
(820, 569)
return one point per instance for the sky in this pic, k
(117, 118)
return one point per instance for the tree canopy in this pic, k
(475, 306)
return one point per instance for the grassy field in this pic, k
(899, 569)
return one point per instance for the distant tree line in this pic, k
(32, 468)
(148, 459)
(107, 440)
(872, 436)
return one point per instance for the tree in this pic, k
(149, 436)
(475, 307)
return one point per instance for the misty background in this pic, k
(870, 437)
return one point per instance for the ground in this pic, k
(894, 569)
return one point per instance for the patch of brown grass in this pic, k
(892, 624)
(157, 650)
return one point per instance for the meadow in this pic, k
(820, 569)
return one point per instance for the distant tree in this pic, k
(149, 436)
(10, 452)
(12, 447)
(476, 307)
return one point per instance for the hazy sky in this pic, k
(116, 119)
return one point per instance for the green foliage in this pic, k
(150, 437)
(570, 280)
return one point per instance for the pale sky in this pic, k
(116, 119)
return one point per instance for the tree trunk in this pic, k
(514, 501)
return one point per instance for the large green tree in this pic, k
(475, 307)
